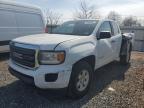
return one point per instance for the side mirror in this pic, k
(104, 35)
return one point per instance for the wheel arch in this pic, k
(91, 60)
(124, 45)
(131, 46)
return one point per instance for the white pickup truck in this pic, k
(69, 56)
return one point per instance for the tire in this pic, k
(80, 80)
(125, 59)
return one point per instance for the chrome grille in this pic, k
(23, 56)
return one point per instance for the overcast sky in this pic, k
(67, 7)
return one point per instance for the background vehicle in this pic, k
(68, 57)
(18, 20)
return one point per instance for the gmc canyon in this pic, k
(68, 57)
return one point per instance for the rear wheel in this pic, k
(80, 81)
(125, 59)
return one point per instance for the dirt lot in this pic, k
(114, 86)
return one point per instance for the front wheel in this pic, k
(80, 81)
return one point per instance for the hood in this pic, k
(50, 40)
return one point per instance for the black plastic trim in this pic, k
(23, 77)
(51, 77)
(2, 43)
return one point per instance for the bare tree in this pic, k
(114, 16)
(131, 21)
(86, 11)
(53, 19)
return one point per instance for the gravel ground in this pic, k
(114, 86)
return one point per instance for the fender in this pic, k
(78, 49)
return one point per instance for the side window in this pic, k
(105, 27)
(115, 28)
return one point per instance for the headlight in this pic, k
(48, 57)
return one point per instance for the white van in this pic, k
(18, 20)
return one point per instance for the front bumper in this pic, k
(25, 78)
(37, 76)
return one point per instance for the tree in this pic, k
(130, 21)
(114, 16)
(86, 11)
(53, 19)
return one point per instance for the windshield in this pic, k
(82, 27)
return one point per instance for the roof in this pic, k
(17, 4)
(99, 19)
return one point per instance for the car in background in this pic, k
(18, 20)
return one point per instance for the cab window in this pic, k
(115, 28)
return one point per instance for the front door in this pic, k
(104, 46)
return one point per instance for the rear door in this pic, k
(116, 39)
(104, 47)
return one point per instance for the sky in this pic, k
(68, 7)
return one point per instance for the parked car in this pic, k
(18, 20)
(69, 56)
